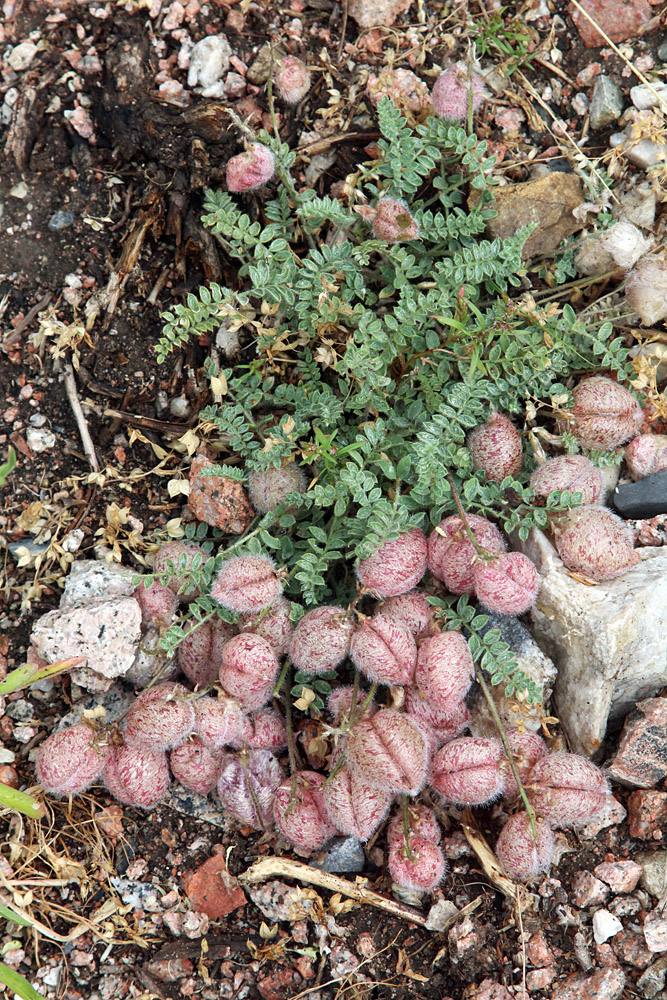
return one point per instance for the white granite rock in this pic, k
(105, 633)
(655, 931)
(608, 641)
(605, 926)
(209, 61)
(91, 581)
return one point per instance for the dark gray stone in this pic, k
(344, 854)
(606, 103)
(645, 498)
(60, 220)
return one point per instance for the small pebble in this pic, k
(605, 926)
(60, 220)
(344, 854)
(21, 56)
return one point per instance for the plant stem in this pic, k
(406, 828)
(485, 554)
(508, 750)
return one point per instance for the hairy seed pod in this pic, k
(646, 454)
(269, 487)
(527, 748)
(218, 721)
(444, 725)
(385, 650)
(71, 759)
(249, 670)
(451, 554)
(137, 776)
(424, 871)
(394, 222)
(389, 751)
(413, 609)
(604, 414)
(274, 624)
(251, 169)
(467, 771)
(168, 560)
(196, 766)
(646, 289)
(396, 566)
(422, 822)
(445, 670)
(158, 604)
(596, 543)
(292, 79)
(160, 718)
(359, 809)
(300, 814)
(496, 448)
(456, 91)
(571, 473)
(567, 789)
(339, 703)
(246, 583)
(520, 855)
(508, 584)
(263, 730)
(321, 640)
(247, 786)
(200, 653)
(402, 87)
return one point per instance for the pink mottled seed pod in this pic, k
(496, 448)
(168, 560)
(263, 730)
(358, 808)
(596, 543)
(339, 703)
(303, 818)
(571, 473)
(520, 855)
(200, 653)
(321, 640)
(451, 554)
(385, 650)
(389, 751)
(251, 169)
(247, 785)
(249, 670)
(158, 604)
(196, 766)
(604, 414)
(71, 759)
(445, 670)
(455, 90)
(527, 749)
(273, 624)
(292, 79)
(567, 789)
(396, 566)
(269, 487)
(246, 583)
(467, 771)
(160, 718)
(424, 872)
(218, 721)
(646, 454)
(445, 725)
(137, 776)
(413, 609)
(393, 221)
(508, 584)
(646, 288)
(422, 822)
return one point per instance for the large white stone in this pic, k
(106, 634)
(608, 641)
(91, 581)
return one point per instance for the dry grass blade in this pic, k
(270, 867)
(489, 861)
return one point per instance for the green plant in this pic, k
(7, 467)
(508, 39)
(9, 977)
(374, 361)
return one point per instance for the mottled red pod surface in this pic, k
(390, 751)
(397, 566)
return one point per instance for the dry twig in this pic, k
(73, 396)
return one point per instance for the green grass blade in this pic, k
(16, 982)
